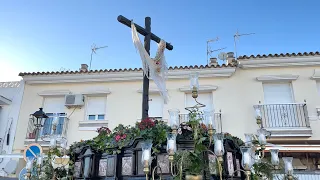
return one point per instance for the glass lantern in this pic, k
(171, 143)
(53, 141)
(288, 165)
(258, 112)
(246, 158)
(63, 143)
(209, 119)
(146, 153)
(274, 157)
(194, 81)
(29, 164)
(218, 145)
(174, 118)
(39, 160)
(262, 133)
(248, 139)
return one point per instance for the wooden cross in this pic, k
(148, 36)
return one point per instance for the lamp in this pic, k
(274, 157)
(39, 163)
(246, 160)
(29, 166)
(258, 114)
(38, 120)
(146, 155)
(218, 146)
(209, 122)
(174, 119)
(194, 84)
(262, 133)
(288, 167)
(171, 145)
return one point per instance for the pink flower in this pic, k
(118, 137)
(124, 136)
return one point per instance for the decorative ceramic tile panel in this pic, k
(230, 163)
(77, 169)
(238, 167)
(163, 162)
(212, 164)
(103, 167)
(127, 166)
(111, 166)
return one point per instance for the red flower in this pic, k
(146, 124)
(124, 136)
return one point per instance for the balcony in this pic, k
(183, 118)
(284, 120)
(46, 130)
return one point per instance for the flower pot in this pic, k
(193, 177)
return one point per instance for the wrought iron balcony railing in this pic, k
(47, 130)
(284, 115)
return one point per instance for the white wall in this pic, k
(8, 114)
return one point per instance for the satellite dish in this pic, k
(223, 56)
(10, 167)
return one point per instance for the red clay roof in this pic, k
(280, 55)
(120, 70)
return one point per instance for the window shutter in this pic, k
(203, 98)
(277, 93)
(155, 105)
(96, 105)
(54, 105)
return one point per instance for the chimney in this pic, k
(230, 57)
(213, 61)
(84, 67)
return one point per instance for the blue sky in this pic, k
(49, 35)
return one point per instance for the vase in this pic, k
(193, 177)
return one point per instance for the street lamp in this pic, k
(38, 120)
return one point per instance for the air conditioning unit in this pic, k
(74, 100)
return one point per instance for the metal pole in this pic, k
(37, 132)
(145, 96)
(235, 47)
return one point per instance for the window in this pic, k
(277, 93)
(96, 108)
(155, 106)
(53, 107)
(203, 98)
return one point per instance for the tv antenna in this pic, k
(235, 37)
(94, 49)
(209, 51)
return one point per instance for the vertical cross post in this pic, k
(145, 91)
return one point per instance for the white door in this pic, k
(155, 106)
(279, 110)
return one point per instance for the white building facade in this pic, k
(284, 87)
(10, 100)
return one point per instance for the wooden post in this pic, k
(145, 91)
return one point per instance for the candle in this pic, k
(53, 142)
(39, 160)
(274, 160)
(171, 144)
(262, 139)
(246, 159)
(29, 164)
(258, 113)
(146, 155)
(218, 147)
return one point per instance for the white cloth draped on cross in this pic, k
(156, 67)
